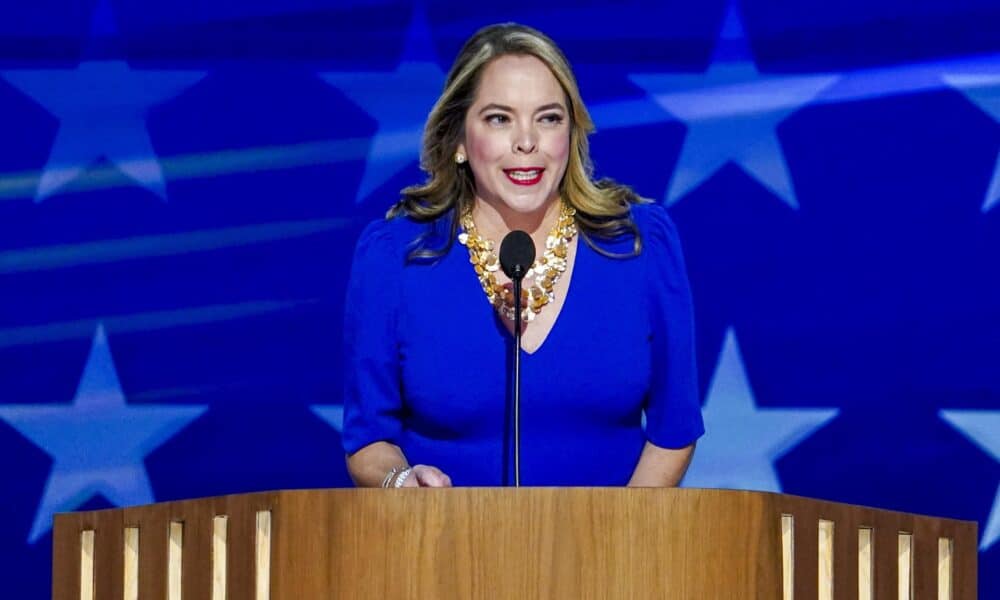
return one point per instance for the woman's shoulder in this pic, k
(384, 230)
(653, 220)
(661, 246)
(647, 220)
(395, 236)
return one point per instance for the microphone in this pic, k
(517, 253)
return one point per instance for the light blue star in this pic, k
(731, 112)
(399, 100)
(742, 441)
(102, 107)
(333, 414)
(98, 442)
(983, 90)
(982, 427)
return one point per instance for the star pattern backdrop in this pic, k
(182, 184)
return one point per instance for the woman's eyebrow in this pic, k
(544, 107)
(551, 106)
(495, 106)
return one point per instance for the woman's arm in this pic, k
(661, 467)
(369, 466)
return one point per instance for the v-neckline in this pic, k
(570, 272)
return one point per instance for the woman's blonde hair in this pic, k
(602, 207)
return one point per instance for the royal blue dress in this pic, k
(427, 361)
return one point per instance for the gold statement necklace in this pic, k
(544, 272)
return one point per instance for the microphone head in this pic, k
(517, 253)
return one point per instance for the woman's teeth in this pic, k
(525, 175)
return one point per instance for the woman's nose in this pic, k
(525, 141)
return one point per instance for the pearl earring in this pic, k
(459, 157)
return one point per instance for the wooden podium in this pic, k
(510, 543)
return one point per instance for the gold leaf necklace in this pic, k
(544, 272)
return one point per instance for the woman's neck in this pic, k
(496, 221)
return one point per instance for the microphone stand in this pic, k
(517, 253)
(518, 276)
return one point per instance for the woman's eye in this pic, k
(552, 119)
(497, 119)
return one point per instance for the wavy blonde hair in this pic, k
(602, 207)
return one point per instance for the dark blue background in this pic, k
(878, 295)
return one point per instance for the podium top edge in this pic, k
(276, 497)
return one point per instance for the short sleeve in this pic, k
(673, 410)
(372, 398)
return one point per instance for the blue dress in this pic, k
(427, 361)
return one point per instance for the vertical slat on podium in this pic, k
(845, 556)
(904, 572)
(787, 556)
(196, 564)
(865, 563)
(66, 557)
(130, 582)
(109, 553)
(87, 565)
(964, 563)
(220, 552)
(886, 537)
(826, 568)
(806, 552)
(153, 525)
(262, 556)
(946, 571)
(241, 543)
(175, 558)
(925, 554)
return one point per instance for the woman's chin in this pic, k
(525, 205)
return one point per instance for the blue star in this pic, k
(984, 91)
(400, 120)
(101, 106)
(982, 427)
(742, 441)
(333, 414)
(731, 112)
(98, 442)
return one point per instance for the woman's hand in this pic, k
(370, 466)
(427, 476)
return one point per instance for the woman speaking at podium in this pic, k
(607, 335)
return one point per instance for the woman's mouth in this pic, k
(524, 176)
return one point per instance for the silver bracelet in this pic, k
(393, 472)
(401, 478)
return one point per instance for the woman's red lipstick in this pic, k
(524, 176)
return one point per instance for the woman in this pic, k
(428, 335)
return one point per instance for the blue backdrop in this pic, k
(182, 183)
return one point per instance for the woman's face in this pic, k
(517, 135)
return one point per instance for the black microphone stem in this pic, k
(517, 253)
(517, 379)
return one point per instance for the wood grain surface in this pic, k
(512, 543)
